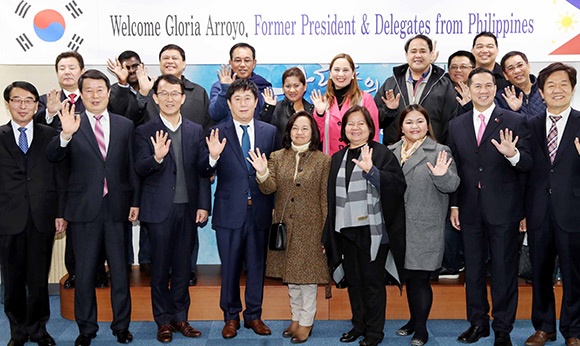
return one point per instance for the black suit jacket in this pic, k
(40, 116)
(501, 183)
(34, 191)
(558, 183)
(88, 171)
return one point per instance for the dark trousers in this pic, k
(453, 254)
(171, 243)
(238, 247)
(501, 241)
(547, 242)
(88, 241)
(69, 255)
(366, 287)
(25, 261)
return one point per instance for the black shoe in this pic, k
(448, 273)
(84, 340)
(45, 340)
(418, 341)
(124, 336)
(69, 282)
(350, 336)
(145, 268)
(102, 280)
(502, 339)
(369, 341)
(473, 334)
(14, 342)
(405, 331)
(192, 279)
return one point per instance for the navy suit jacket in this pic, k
(34, 191)
(234, 180)
(88, 171)
(558, 183)
(40, 116)
(158, 180)
(501, 183)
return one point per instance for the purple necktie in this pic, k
(481, 129)
(552, 139)
(100, 135)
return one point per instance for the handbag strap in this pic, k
(290, 192)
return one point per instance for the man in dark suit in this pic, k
(32, 205)
(490, 147)
(102, 192)
(242, 214)
(174, 199)
(552, 204)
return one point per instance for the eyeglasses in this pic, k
(164, 94)
(460, 67)
(512, 68)
(27, 101)
(246, 61)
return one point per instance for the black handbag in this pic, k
(277, 239)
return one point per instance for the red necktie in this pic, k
(72, 98)
(100, 135)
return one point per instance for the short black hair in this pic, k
(94, 74)
(422, 37)
(22, 85)
(242, 84)
(555, 67)
(511, 54)
(242, 45)
(464, 53)
(479, 70)
(368, 119)
(70, 54)
(169, 78)
(420, 109)
(172, 46)
(486, 34)
(128, 54)
(314, 137)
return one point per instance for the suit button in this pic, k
(173, 188)
(551, 171)
(481, 169)
(297, 184)
(549, 191)
(291, 199)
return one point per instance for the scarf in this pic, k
(407, 152)
(299, 149)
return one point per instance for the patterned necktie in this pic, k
(23, 140)
(246, 145)
(100, 135)
(552, 139)
(481, 129)
(72, 97)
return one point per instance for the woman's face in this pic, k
(341, 73)
(414, 126)
(294, 89)
(301, 131)
(357, 130)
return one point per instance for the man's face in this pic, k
(418, 56)
(485, 51)
(68, 72)
(482, 90)
(517, 71)
(95, 95)
(243, 62)
(131, 65)
(22, 106)
(242, 105)
(557, 92)
(169, 98)
(459, 69)
(172, 63)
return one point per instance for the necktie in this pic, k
(100, 135)
(23, 140)
(246, 145)
(72, 98)
(481, 129)
(552, 139)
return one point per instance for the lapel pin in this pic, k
(496, 120)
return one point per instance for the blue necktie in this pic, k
(23, 140)
(246, 145)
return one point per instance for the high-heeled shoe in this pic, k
(301, 335)
(289, 332)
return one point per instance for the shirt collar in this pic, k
(237, 123)
(486, 113)
(170, 125)
(29, 127)
(564, 114)
(91, 115)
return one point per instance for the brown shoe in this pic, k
(539, 338)
(289, 332)
(258, 327)
(186, 329)
(164, 333)
(301, 335)
(230, 329)
(573, 342)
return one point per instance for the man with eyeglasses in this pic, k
(32, 207)
(459, 64)
(522, 95)
(241, 65)
(175, 199)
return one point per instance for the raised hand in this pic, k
(225, 75)
(259, 161)
(69, 121)
(434, 53)
(145, 83)
(319, 101)
(53, 103)
(390, 100)
(464, 95)
(119, 70)
(160, 145)
(442, 164)
(513, 101)
(214, 145)
(366, 162)
(269, 96)
(507, 144)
